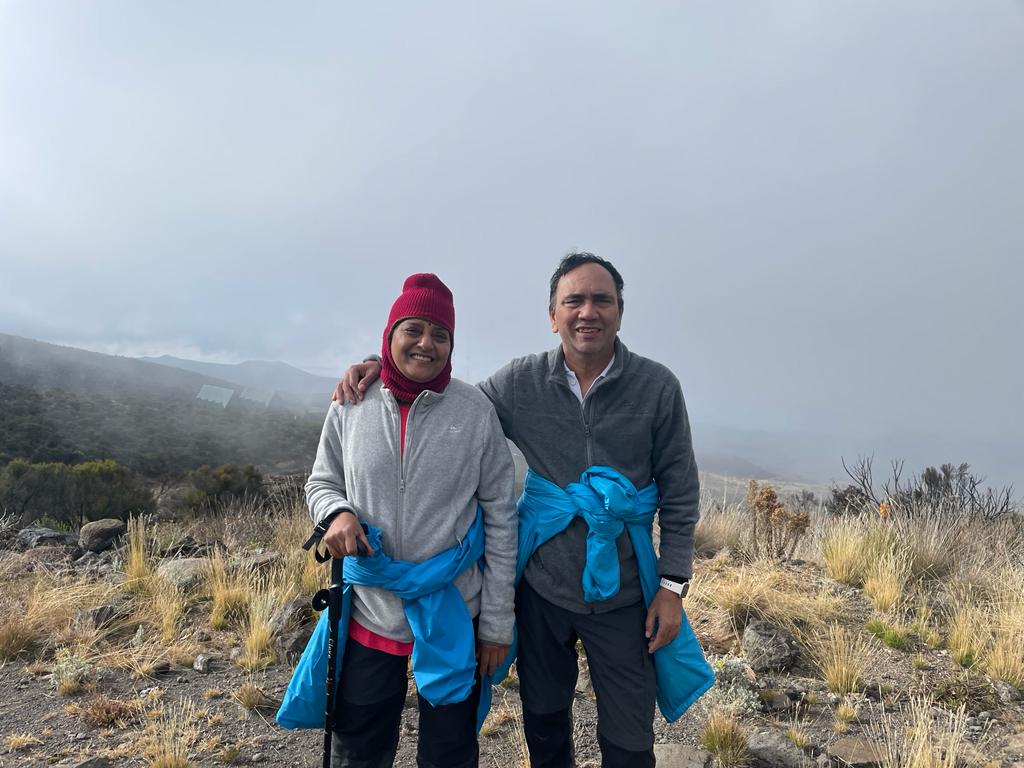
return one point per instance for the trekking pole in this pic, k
(330, 599)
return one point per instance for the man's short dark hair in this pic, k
(578, 259)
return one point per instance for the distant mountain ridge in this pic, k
(42, 366)
(259, 374)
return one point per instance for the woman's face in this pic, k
(420, 348)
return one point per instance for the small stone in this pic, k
(94, 762)
(857, 752)
(30, 538)
(1007, 693)
(139, 637)
(100, 535)
(81, 736)
(680, 756)
(94, 618)
(201, 663)
(771, 749)
(768, 647)
(256, 757)
(179, 679)
(186, 573)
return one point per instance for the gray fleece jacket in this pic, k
(633, 420)
(424, 503)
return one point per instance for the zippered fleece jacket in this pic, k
(455, 458)
(632, 420)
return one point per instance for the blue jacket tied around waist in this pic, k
(609, 502)
(444, 653)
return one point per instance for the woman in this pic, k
(421, 463)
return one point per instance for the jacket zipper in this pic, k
(403, 446)
(588, 436)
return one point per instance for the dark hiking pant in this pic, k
(621, 670)
(368, 714)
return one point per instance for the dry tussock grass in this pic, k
(886, 579)
(922, 739)
(229, 590)
(268, 595)
(18, 636)
(18, 742)
(164, 609)
(718, 528)
(139, 557)
(849, 546)
(167, 742)
(102, 711)
(250, 697)
(725, 600)
(724, 738)
(842, 656)
(300, 566)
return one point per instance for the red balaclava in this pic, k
(423, 295)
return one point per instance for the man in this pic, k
(591, 402)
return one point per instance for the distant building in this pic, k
(218, 397)
(252, 396)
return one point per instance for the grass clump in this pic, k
(924, 740)
(842, 657)
(799, 738)
(850, 546)
(885, 579)
(104, 712)
(167, 742)
(845, 714)
(717, 529)
(892, 636)
(968, 633)
(139, 560)
(268, 594)
(1005, 660)
(724, 738)
(250, 697)
(229, 591)
(17, 636)
(19, 742)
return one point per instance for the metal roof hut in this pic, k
(218, 397)
(256, 398)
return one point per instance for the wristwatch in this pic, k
(679, 587)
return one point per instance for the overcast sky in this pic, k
(818, 207)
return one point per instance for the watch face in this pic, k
(686, 589)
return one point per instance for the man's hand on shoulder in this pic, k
(354, 383)
(666, 614)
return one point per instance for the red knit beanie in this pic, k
(423, 295)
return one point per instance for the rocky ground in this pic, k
(121, 712)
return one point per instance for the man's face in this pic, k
(586, 313)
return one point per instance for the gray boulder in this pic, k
(89, 619)
(257, 560)
(30, 538)
(768, 647)
(857, 752)
(772, 749)
(291, 644)
(54, 555)
(680, 756)
(293, 614)
(100, 534)
(186, 573)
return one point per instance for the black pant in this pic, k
(368, 713)
(621, 670)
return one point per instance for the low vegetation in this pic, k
(881, 607)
